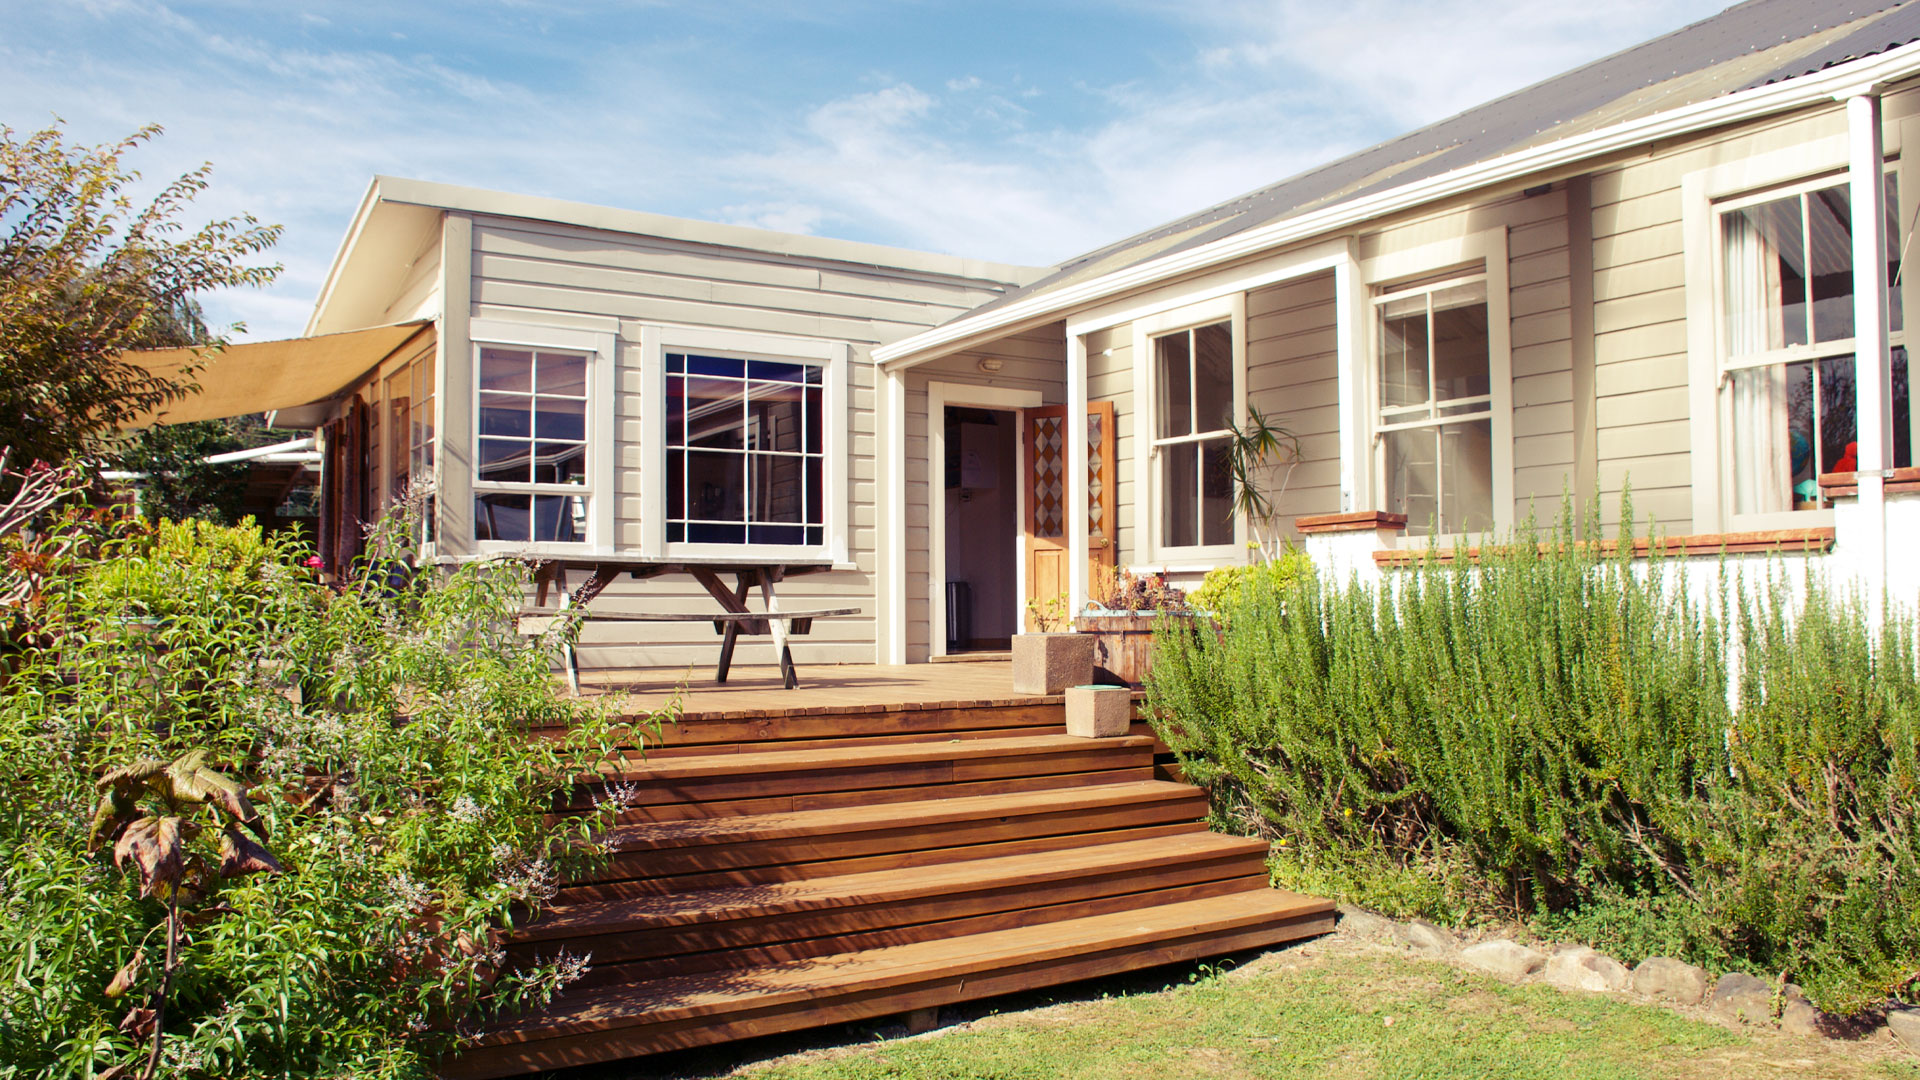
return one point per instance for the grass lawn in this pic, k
(1333, 1010)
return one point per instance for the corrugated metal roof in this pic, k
(1748, 45)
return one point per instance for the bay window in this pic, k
(1435, 421)
(1786, 370)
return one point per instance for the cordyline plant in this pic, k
(179, 693)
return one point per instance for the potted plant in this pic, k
(1052, 657)
(1119, 621)
(1124, 607)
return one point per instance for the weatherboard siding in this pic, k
(1641, 369)
(571, 276)
(1032, 360)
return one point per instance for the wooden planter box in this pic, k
(1123, 642)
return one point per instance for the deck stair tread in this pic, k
(707, 906)
(777, 761)
(841, 820)
(813, 980)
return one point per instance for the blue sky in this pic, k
(1015, 132)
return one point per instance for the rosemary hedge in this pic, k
(1545, 734)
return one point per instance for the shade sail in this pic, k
(257, 376)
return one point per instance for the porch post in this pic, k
(1076, 473)
(1350, 324)
(1873, 368)
(892, 646)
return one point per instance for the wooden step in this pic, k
(922, 898)
(691, 1010)
(722, 777)
(940, 830)
(823, 800)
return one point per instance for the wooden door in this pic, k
(1046, 480)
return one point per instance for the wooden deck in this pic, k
(878, 841)
(823, 687)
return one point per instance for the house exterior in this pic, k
(1674, 270)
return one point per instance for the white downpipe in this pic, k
(1077, 538)
(1873, 368)
(893, 639)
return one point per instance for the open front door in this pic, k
(1046, 479)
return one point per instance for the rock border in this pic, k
(1734, 998)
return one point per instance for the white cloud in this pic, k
(999, 163)
(1419, 62)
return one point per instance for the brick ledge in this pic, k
(1350, 521)
(1790, 541)
(1839, 485)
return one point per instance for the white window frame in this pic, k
(1705, 194)
(1462, 257)
(600, 349)
(1726, 364)
(836, 358)
(1231, 309)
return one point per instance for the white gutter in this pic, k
(1799, 92)
(291, 452)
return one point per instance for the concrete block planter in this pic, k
(1049, 663)
(1099, 712)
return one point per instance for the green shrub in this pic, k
(1546, 735)
(1226, 587)
(381, 730)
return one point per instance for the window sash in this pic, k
(749, 387)
(579, 492)
(1435, 413)
(1162, 445)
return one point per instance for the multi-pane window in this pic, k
(1192, 435)
(1787, 367)
(1435, 424)
(745, 446)
(531, 451)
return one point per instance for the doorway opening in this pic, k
(982, 529)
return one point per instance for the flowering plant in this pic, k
(382, 735)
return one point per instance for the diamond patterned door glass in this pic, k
(1096, 481)
(1049, 476)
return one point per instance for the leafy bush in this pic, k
(1226, 587)
(382, 733)
(1546, 735)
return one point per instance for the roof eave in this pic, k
(1864, 75)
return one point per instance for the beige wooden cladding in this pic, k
(570, 276)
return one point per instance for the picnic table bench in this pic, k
(733, 620)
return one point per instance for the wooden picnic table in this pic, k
(734, 619)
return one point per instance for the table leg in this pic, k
(730, 601)
(788, 678)
(573, 657)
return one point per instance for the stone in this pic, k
(1099, 712)
(1741, 997)
(1905, 1025)
(1802, 1019)
(1504, 958)
(1045, 664)
(1670, 980)
(1421, 935)
(1362, 923)
(1581, 968)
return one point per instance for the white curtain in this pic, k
(1762, 447)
